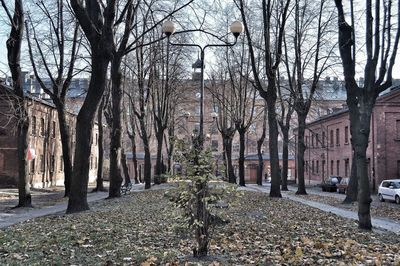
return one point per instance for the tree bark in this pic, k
(13, 56)
(285, 157)
(352, 188)
(273, 141)
(228, 153)
(301, 147)
(242, 136)
(116, 128)
(135, 162)
(84, 129)
(260, 161)
(159, 166)
(125, 168)
(65, 141)
(100, 160)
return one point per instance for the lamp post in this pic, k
(169, 28)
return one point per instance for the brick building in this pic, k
(46, 169)
(329, 150)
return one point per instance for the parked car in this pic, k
(342, 186)
(330, 185)
(389, 190)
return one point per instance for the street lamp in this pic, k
(168, 29)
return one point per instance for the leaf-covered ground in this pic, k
(385, 209)
(138, 229)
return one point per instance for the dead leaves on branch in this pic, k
(138, 230)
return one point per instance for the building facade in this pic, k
(328, 143)
(44, 144)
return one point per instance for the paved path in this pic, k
(378, 223)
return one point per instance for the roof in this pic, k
(384, 95)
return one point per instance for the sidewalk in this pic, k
(378, 223)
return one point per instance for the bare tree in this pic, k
(223, 105)
(381, 46)
(284, 121)
(260, 143)
(96, 20)
(244, 98)
(57, 68)
(312, 54)
(13, 55)
(274, 14)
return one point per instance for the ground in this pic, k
(140, 229)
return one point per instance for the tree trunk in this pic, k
(100, 160)
(84, 128)
(125, 168)
(228, 153)
(116, 128)
(285, 157)
(242, 136)
(65, 140)
(273, 143)
(147, 167)
(301, 147)
(159, 166)
(360, 119)
(260, 162)
(13, 56)
(202, 234)
(135, 163)
(352, 188)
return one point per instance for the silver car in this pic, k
(389, 190)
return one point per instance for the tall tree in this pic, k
(284, 121)
(223, 104)
(244, 98)
(57, 68)
(260, 143)
(312, 54)
(274, 14)
(381, 44)
(14, 43)
(96, 20)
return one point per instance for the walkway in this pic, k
(378, 223)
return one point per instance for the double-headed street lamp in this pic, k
(168, 28)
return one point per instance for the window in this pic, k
(312, 166)
(317, 140)
(53, 131)
(61, 163)
(307, 142)
(95, 163)
(214, 145)
(32, 167)
(41, 163)
(42, 131)
(346, 167)
(337, 167)
(312, 140)
(346, 135)
(52, 164)
(331, 138)
(317, 167)
(331, 167)
(97, 139)
(33, 125)
(306, 166)
(323, 168)
(323, 139)
(337, 137)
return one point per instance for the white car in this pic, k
(389, 190)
